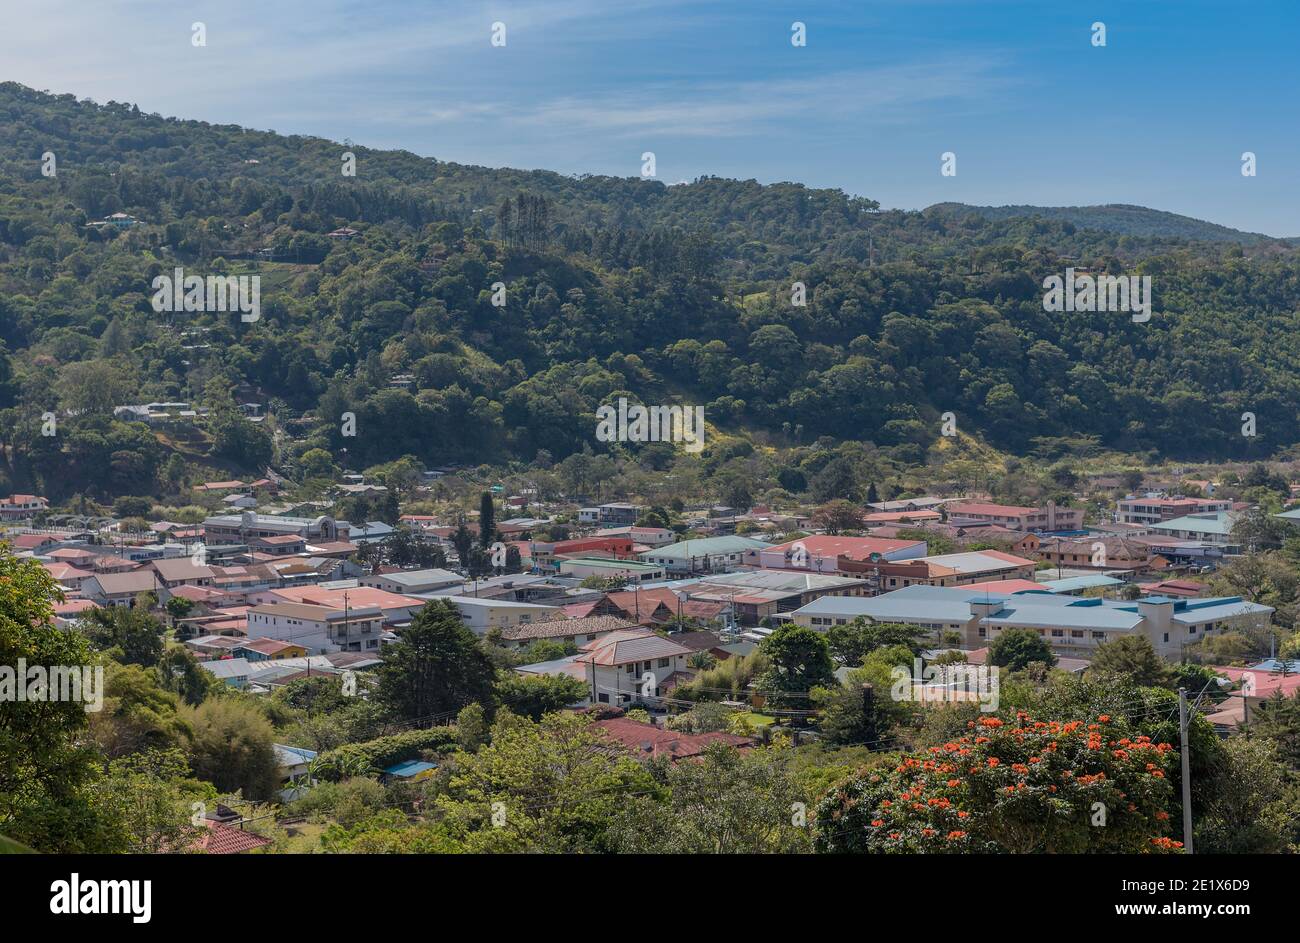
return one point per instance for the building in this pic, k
(1159, 510)
(631, 571)
(822, 553)
(1071, 625)
(1102, 553)
(244, 527)
(1012, 517)
(949, 569)
(414, 581)
(268, 649)
(181, 571)
(647, 536)
(119, 589)
(615, 514)
(706, 555)
(319, 629)
(481, 615)
(564, 631)
(652, 742)
(1213, 528)
(631, 667)
(18, 507)
(751, 596)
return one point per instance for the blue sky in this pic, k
(1034, 112)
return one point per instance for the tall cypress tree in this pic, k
(486, 519)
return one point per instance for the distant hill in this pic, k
(1122, 218)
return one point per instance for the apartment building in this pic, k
(1012, 517)
(1071, 625)
(1158, 510)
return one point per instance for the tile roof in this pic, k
(649, 740)
(562, 628)
(224, 840)
(615, 649)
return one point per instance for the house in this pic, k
(631, 571)
(22, 506)
(632, 666)
(1159, 510)
(409, 771)
(1104, 553)
(615, 514)
(32, 543)
(239, 501)
(240, 528)
(821, 553)
(295, 769)
(652, 742)
(751, 596)
(69, 577)
(181, 571)
(706, 555)
(268, 649)
(949, 569)
(218, 838)
(120, 589)
(484, 614)
(1213, 528)
(281, 545)
(549, 555)
(649, 536)
(343, 594)
(564, 631)
(1186, 589)
(414, 581)
(1049, 518)
(70, 611)
(319, 629)
(233, 671)
(1071, 625)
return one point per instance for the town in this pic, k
(664, 628)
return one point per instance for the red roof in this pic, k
(224, 840)
(855, 548)
(649, 740)
(1003, 510)
(1003, 586)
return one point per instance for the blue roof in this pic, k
(410, 768)
(1080, 582)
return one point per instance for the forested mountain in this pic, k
(1118, 218)
(667, 293)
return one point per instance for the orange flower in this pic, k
(1104, 718)
(878, 822)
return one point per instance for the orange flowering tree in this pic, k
(1019, 786)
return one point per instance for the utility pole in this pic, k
(1187, 773)
(869, 713)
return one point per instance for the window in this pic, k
(604, 698)
(1076, 633)
(1058, 633)
(1166, 636)
(663, 662)
(1100, 635)
(630, 668)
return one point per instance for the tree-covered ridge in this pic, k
(1121, 218)
(614, 286)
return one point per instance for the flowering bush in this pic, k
(1019, 786)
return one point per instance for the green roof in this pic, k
(610, 564)
(1220, 523)
(705, 546)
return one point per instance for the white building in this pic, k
(319, 629)
(630, 667)
(1071, 625)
